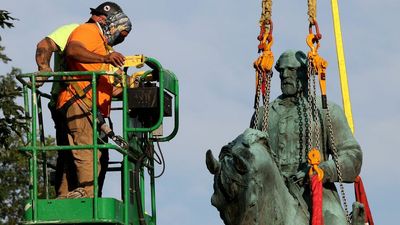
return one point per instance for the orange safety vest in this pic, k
(91, 38)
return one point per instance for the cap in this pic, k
(106, 9)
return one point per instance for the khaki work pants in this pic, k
(80, 132)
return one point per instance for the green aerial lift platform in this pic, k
(144, 108)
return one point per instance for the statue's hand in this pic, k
(301, 175)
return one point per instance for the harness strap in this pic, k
(80, 95)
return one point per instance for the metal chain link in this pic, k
(266, 98)
(307, 131)
(312, 99)
(311, 71)
(257, 100)
(338, 168)
(309, 105)
(302, 136)
(315, 113)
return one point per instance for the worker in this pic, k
(88, 49)
(55, 43)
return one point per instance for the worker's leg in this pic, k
(67, 179)
(64, 158)
(81, 132)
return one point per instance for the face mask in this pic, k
(114, 25)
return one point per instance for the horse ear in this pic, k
(212, 164)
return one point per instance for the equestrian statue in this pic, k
(262, 177)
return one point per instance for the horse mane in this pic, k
(251, 136)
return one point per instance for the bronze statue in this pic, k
(260, 178)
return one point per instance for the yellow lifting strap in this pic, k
(342, 65)
(312, 10)
(266, 12)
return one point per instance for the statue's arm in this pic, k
(348, 150)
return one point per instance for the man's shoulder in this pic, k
(63, 30)
(70, 26)
(87, 27)
(61, 34)
(87, 32)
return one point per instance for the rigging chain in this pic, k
(263, 64)
(318, 67)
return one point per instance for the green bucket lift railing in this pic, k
(125, 212)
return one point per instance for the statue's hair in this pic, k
(299, 55)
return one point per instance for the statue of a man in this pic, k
(288, 139)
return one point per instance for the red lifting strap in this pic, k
(361, 196)
(316, 191)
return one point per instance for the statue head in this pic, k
(292, 68)
(239, 177)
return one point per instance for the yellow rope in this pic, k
(312, 10)
(266, 12)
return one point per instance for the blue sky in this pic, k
(210, 45)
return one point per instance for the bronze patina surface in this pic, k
(260, 177)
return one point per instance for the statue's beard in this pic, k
(289, 89)
(292, 88)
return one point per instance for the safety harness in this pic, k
(79, 96)
(81, 99)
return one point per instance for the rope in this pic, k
(312, 10)
(266, 12)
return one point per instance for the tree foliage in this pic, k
(14, 164)
(5, 22)
(14, 177)
(12, 120)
